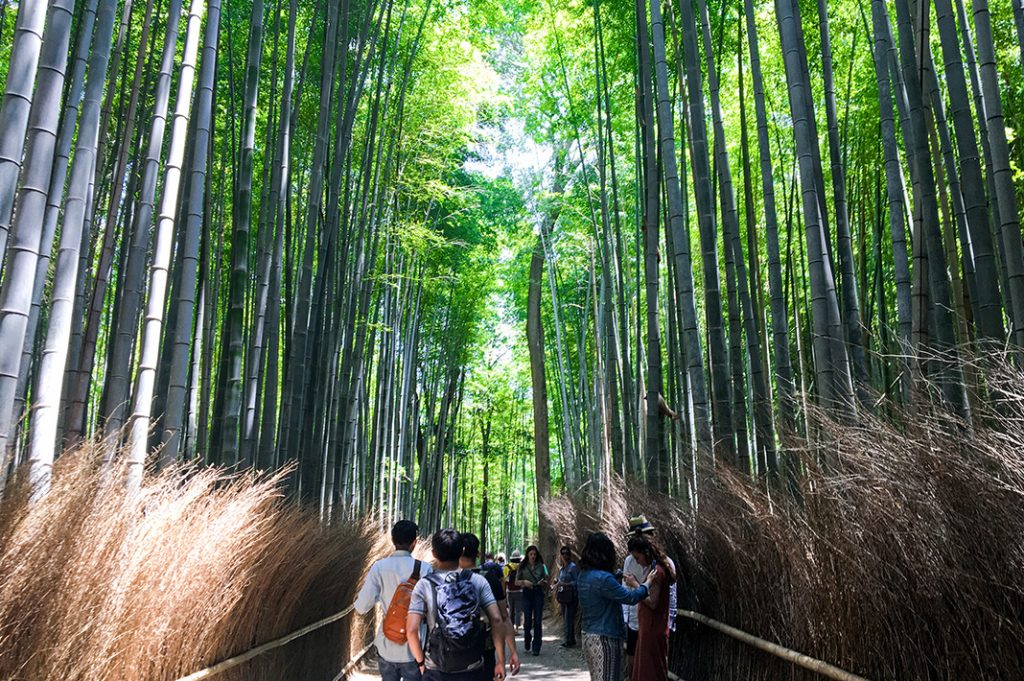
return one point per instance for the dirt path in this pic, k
(553, 663)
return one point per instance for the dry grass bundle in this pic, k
(575, 517)
(903, 558)
(99, 584)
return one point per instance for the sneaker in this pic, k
(536, 653)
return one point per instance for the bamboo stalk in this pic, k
(823, 668)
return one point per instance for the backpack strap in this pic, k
(416, 571)
(432, 611)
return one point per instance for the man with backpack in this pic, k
(390, 582)
(450, 601)
(495, 577)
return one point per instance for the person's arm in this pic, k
(370, 592)
(498, 637)
(509, 636)
(496, 581)
(617, 593)
(414, 623)
(412, 631)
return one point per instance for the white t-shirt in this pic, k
(381, 582)
(639, 573)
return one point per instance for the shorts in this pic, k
(631, 638)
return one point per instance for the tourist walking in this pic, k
(514, 591)
(651, 660)
(533, 578)
(389, 583)
(567, 595)
(450, 601)
(601, 599)
(495, 577)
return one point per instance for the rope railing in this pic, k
(242, 658)
(799, 659)
(824, 668)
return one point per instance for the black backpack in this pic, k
(494, 575)
(456, 640)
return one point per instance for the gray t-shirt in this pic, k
(422, 601)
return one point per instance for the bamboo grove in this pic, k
(306, 233)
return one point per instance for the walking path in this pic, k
(554, 662)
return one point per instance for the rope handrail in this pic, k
(242, 658)
(805, 661)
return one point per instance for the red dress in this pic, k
(651, 661)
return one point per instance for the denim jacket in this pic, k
(601, 600)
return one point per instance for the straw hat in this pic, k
(638, 525)
(516, 557)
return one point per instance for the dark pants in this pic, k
(569, 623)
(398, 671)
(533, 614)
(632, 635)
(515, 607)
(487, 671)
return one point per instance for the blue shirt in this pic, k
(601, 600)
(568, 574)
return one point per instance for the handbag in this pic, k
(566, 594)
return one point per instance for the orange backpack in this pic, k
(394, 620)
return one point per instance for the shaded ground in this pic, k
(553, 663)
